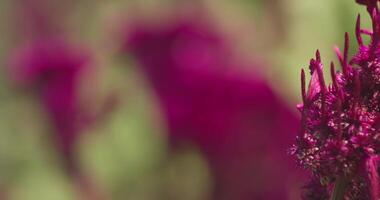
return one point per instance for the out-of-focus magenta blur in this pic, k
(147, 100)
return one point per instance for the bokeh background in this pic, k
(129, 153)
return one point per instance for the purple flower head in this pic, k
(52, 68)
(230, 116)
(340, 140)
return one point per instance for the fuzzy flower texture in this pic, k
(339, 140)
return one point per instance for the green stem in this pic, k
(339, 188)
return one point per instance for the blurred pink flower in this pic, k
(242, 127)
(52, 68)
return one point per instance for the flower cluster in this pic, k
(339, 139)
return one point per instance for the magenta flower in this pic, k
(339, 141)
(231, 117)
(52, 69)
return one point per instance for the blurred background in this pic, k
(187, 100)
